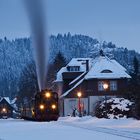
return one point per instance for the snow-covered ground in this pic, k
(70, 128)
(129, 128)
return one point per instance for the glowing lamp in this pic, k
(41, 107)
(105, 86)
(4, 110)
(53, 106)
(47, 94)
(79, 94)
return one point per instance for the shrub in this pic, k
(114, 108)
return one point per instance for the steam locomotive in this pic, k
(44, 107)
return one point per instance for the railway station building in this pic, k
(89, 80)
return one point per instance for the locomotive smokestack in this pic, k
(39, 37)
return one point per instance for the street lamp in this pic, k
(79, 94)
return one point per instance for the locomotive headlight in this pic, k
(53, 106)
(41, 107)
(47, 94)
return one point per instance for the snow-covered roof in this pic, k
(59, 74)
(77, 78)
(78, 62)
(67, 92)
(120, 66)
(14, 100)
(6, 98)
(100, 64)
(96, 66)
(74, 62)
(104, 63)
(12, 103)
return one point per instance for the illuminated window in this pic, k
(3, 110)
(103, 86)
(113, 85)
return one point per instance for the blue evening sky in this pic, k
(111, 20)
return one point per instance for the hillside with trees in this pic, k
(17, 57)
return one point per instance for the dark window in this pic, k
(100, 86)
(73, 68)
(113, 85)
(106, 71)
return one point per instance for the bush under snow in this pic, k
(114, 108)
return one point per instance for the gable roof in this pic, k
(5, 98)
(73, 62)
(100, 64)
(67, 92)
(59, 77)
(78, 62)
(10, 102)
(103, 63)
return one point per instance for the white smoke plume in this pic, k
(37, 19)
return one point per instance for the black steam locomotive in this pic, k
(44, 107)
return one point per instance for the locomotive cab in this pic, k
(46, 106)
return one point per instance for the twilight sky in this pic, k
(111, 20)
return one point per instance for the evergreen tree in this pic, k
(136, 66)
(50, 76)
(134, 88)
(16, 54)
(59, 62)
(135, 81)
(28, 85)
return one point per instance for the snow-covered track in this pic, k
(121, 133)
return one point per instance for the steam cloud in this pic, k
(39, 37)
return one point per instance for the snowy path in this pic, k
(25, 130)
(127, 128)
(122, 133)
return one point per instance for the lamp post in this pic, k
(79, 94)
(105, 86)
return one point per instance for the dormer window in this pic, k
(73, 68)
(106, 71)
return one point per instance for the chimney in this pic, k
(87, 64)
(102, 53)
